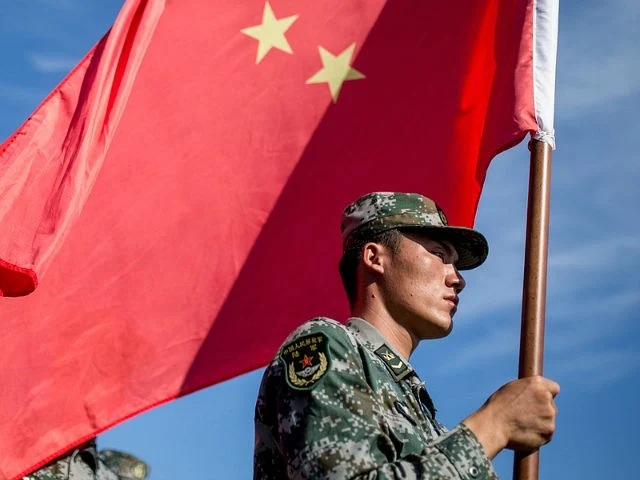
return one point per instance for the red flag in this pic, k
(178, 197)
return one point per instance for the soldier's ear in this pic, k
(374, 257)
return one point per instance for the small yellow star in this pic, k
(270, 33)
(336, 70)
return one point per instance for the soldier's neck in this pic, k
(397, 335)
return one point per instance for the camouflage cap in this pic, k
(379, 211)
(126, 466)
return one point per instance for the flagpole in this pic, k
(525, 467)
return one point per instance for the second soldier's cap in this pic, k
(380, 211)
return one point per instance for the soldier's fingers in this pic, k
(551, 386)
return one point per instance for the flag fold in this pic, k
(49, 165)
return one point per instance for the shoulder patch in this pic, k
(306, 360)
(396, 365)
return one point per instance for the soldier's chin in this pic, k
(438, 332)
(448, 330)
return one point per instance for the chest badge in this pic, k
(306, 360)
(396, 365)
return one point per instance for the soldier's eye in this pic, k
(439, 254)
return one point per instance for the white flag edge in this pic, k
(545, 49)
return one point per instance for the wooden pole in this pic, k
(534, 291)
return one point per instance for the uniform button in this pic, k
(473, 471)
(402, 409)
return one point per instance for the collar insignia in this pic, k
(396, 365)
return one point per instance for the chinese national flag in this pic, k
(176, 200)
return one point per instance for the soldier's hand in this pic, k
(519, 416)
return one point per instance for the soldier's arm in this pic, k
(335, 427)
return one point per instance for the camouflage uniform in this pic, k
(339, 402)
(85, 463)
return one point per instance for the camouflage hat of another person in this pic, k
(125, 465)
(380, 211)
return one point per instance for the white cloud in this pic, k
(495, 288)
(599, 369)
(482, 349)
(10, 93)
(598, 255)
(574, 340)
(65, 5)
(605, 303)
(597, 57)
(48, 63)
(571, 330)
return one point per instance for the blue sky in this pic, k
(593, 287)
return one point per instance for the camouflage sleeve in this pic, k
(335, 426)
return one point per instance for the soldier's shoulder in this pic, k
(333, 332)
(57, 469)
(46, 475)
(311, 352)
(323, 325)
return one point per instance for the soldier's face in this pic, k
(421, 285)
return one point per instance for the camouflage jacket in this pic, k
(86, 463)
(339, 402)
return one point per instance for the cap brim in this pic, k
(471, 245)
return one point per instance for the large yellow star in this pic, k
(336, 70)
(270, 33)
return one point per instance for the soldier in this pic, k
(86, 463)
(343, 401)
